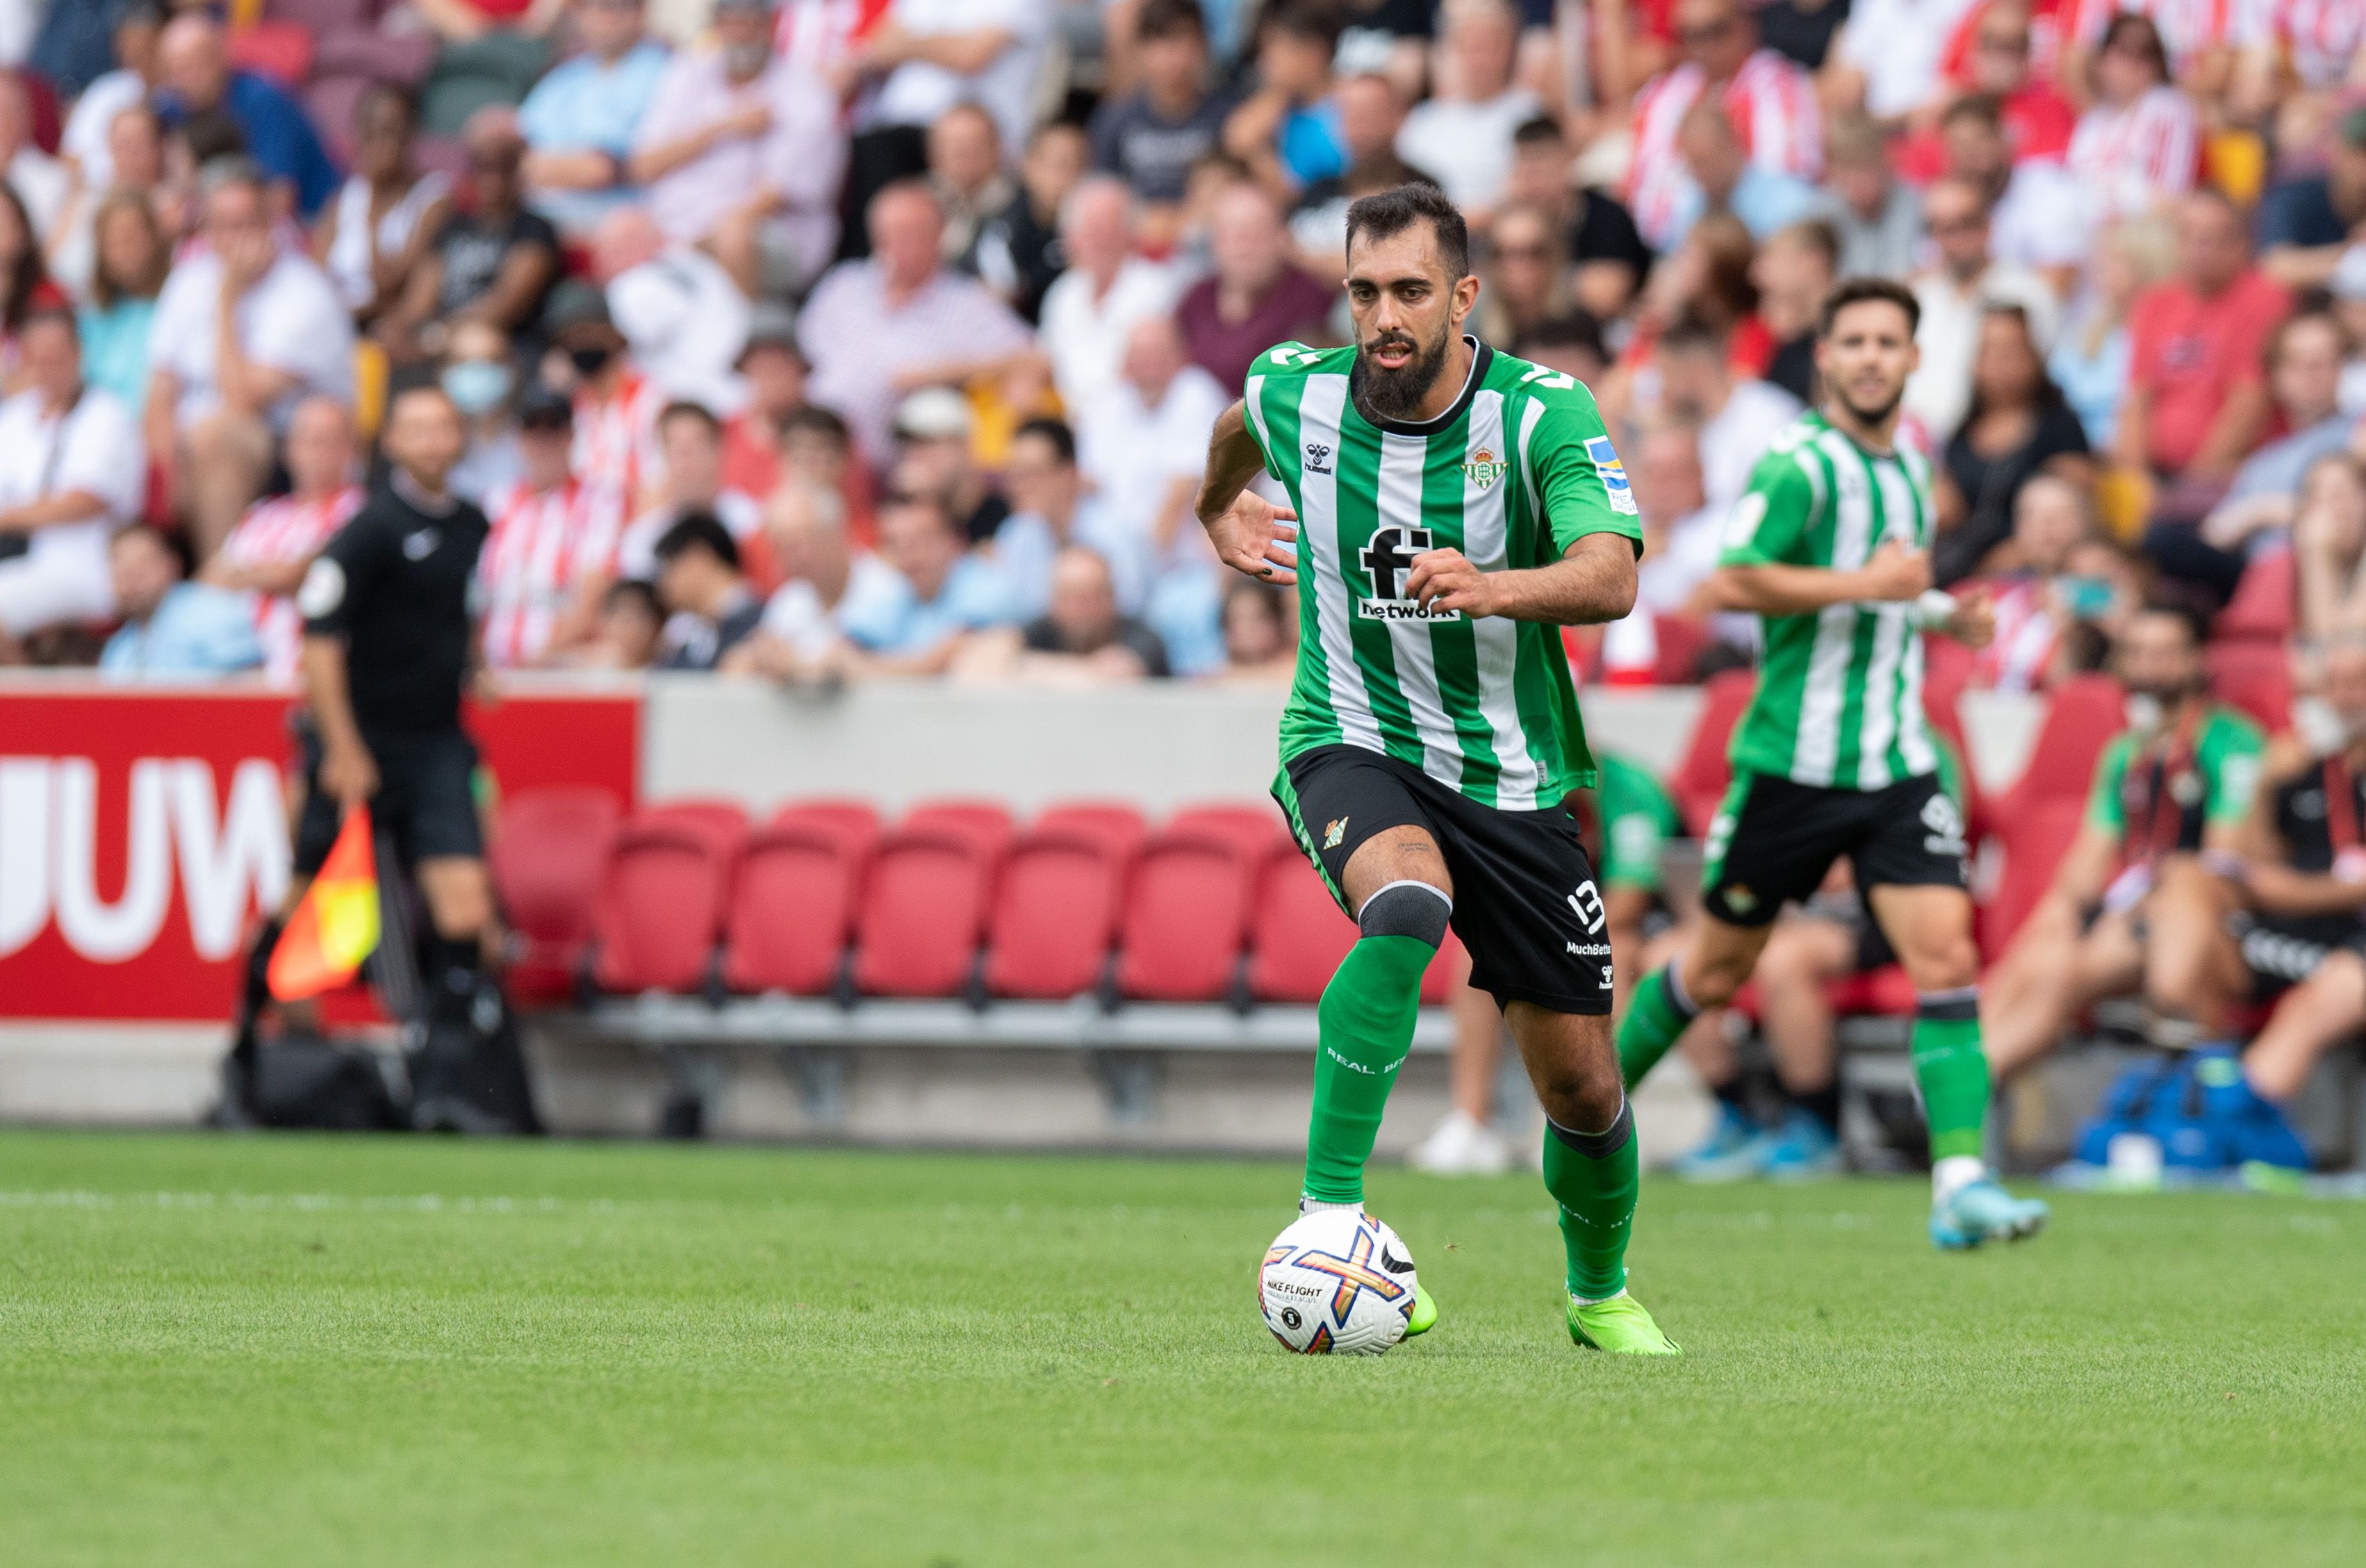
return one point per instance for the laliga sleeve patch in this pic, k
(323, 590)
(1612, 472)
(1742, 522)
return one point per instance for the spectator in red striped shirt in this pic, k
(2140, 144)
(552, 552)
(2197, 39)
(267, 554)
(1770, 101)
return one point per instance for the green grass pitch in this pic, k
(296, 1350)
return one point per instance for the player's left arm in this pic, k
(1565, 457)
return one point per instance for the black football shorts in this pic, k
(1526, 903)
(1773, 840)
(426, 799)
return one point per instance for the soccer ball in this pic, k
(1336, 1283)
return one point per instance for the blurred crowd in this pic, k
(812, 339)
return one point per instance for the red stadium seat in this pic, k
(1884, 992)
(2266, 606)
(857, 821)
(1054, 913)
(2085, 712)
(2255, 677)
(1701, 775)
(986, 823)
(661, 900)
(1298, 934)
(726, 819)
(1187, 913)
(1113, 822)
(549, 848)
(1256, 827)
(923, 913)
(2035, 838)
(793, 905)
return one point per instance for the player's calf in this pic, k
(1364, 1023)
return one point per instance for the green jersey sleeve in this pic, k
(1773, 516)
(1575, 470)
(1638, 816)
(2103, 808)
(2229, 751)
(1273, 380)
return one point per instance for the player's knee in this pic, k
(1408, 908)
(1584, 1095)
(1711, 978)
(1948, 964)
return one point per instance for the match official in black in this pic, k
(390, 646)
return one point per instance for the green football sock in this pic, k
(1592, 1177)
(1365, 1020)
(1660, 1012)
(1951, 1070)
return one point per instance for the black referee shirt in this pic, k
(395, 584)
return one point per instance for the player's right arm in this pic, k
(346, 571)
(1757, 573)
(1251, 535)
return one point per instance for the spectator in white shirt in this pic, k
(689, 440)
(740, 152)
(2036, 218)
(1091, 308)
(936, 53)
(70, 472)
(1463, 135)
(40, 180)
(243, 330)
(1737, 416)
(1954, 294)
(1886, 58)
(83, 145)
(679, 311)
(803, 635)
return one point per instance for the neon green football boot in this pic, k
(1423, 1317)
(1619, 1326)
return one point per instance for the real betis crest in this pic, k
(1483, 468)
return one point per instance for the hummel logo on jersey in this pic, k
(421, 545)
(1484, 468)
(1333, 831)
(1317, 455)
(1388, 558)
(1612, 472)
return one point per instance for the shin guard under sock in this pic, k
(1951, 1070)
(1660, 1012)
(1365, 1024)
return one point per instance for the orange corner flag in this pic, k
(335, 926)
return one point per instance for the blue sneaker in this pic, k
(1982, 1211)
(1731, 1153)
(1801, 1149)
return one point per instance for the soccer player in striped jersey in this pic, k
(1448, 509)
(1829, 547)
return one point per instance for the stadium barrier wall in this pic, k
(140, 828)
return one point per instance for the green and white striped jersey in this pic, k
(1513, 475)
(1839, 700)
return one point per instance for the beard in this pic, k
(1874, 414)
(1396, 394)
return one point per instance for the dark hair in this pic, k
(2046, 397)
(1313, 20)
(176, 545)
(1393, 210)
(1061, 439)
(1851, 291)
(698, 530)
(1572, 329)
(55, 312)
(27, 276)
(1542, 128)
(2185, 612)
(211, 134)
(820, 421)
(638, 588)
(1692, 330)
(686, 408)
(2311, 313)
(2127, 22)
(1169, 18)
(394, 93)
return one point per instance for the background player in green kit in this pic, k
(1828, 546)
(1448, 508)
